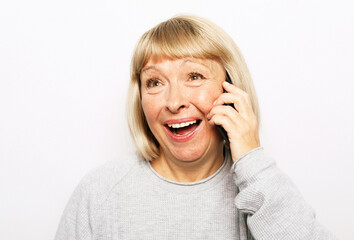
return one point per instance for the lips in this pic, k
(182, 130)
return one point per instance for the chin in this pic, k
(197, 153)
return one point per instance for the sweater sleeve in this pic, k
(75, 221)
(273, 207)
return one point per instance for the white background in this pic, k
(64, 72)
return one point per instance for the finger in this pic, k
(231, 88)
(240, 129)
(227, 111)
(224, 122)
(242, 140)
(240, 103)
(228, 98)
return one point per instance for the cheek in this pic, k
(150, 109)
(205, 98)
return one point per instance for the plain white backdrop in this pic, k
(64, 72)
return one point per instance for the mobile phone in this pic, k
(221, 130)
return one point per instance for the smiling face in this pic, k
(176, 97)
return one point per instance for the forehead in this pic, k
(163, 62)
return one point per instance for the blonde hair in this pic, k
(179, 37)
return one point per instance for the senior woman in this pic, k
(187, 181)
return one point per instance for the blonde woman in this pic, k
(187, 181)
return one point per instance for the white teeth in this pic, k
(179, 125)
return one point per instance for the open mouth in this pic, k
(183, 129)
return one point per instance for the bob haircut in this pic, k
(179, 37)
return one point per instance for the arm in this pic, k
(75, 222)
(274, 207)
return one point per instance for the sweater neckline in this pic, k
(189, 187)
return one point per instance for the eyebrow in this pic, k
(149, 68)
(195, 62)
(184, 62)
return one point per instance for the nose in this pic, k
(176, 99)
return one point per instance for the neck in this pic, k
(188, 171)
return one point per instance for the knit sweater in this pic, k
(128, 199)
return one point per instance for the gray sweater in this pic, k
(250, 199)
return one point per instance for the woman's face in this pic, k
(176, 96)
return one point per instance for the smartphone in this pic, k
(221, 129)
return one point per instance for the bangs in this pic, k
(176, 39)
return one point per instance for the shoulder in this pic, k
(113, 170)
(90, 194)
(96, 185)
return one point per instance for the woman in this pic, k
(187, 182)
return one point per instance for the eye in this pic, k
(151, 83)
(195, 76)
